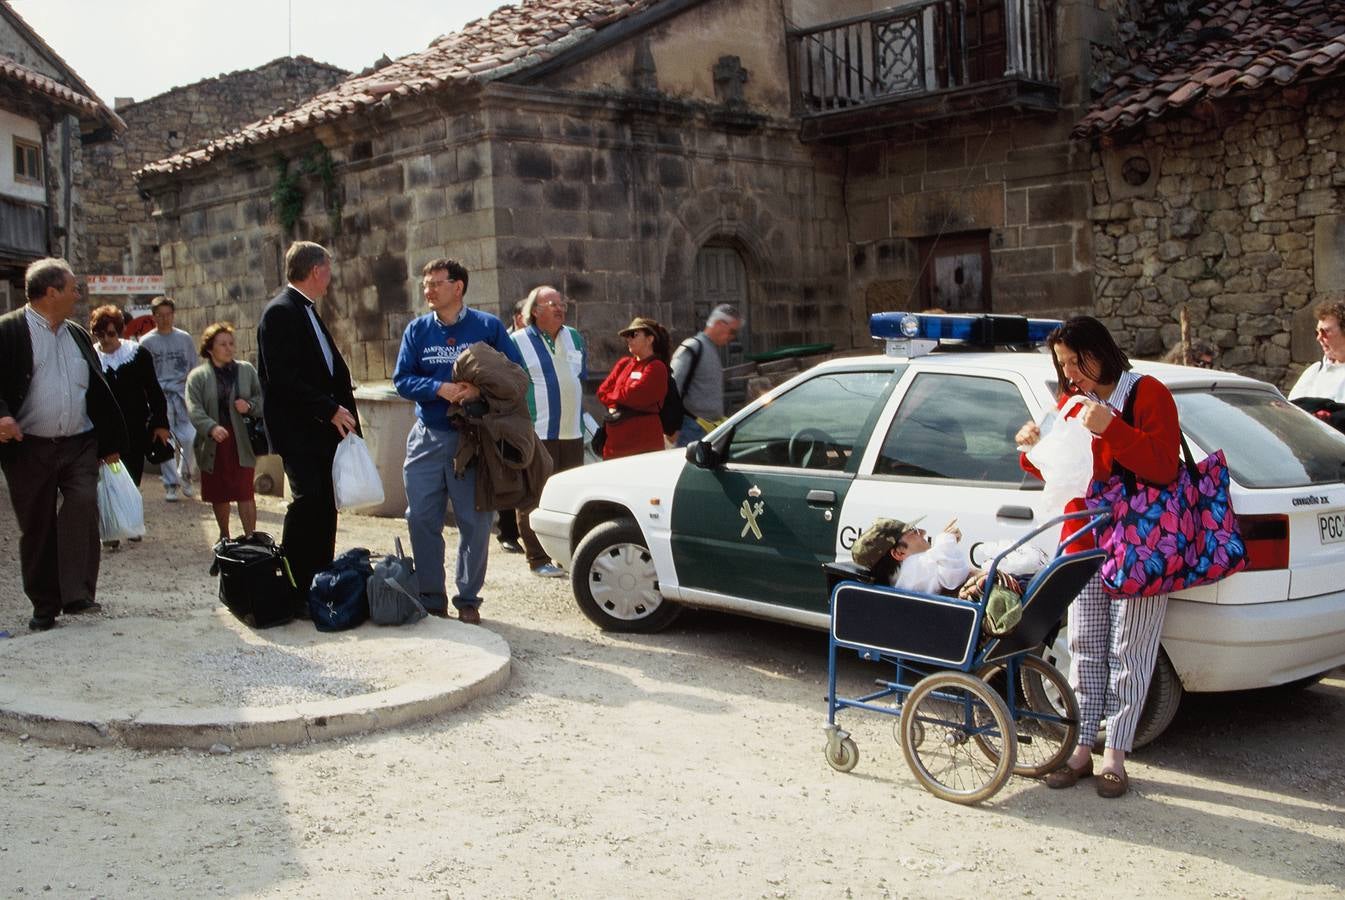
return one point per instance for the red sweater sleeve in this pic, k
(614, 377)
(1151, 448)
(644, 394)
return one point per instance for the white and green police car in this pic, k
(744, 520)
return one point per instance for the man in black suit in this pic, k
(310, 406)
(58, 417)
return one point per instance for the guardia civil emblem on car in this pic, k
(751, 511)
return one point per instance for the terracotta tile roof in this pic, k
(58, 93)
(77, 86)
(508, 40)
(1231, 46)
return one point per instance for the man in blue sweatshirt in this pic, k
(431, 345)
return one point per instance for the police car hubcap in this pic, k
(624, 583)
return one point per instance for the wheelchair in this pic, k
(971, 710)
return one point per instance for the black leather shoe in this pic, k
(41, 623)
(511, 546)
(83, 606)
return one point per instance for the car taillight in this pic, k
(1267, 541)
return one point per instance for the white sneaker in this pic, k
(548, 571)
(170, 493)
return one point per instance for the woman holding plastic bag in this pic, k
(1113, 640)
(219, 393)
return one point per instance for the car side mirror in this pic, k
(703, 455)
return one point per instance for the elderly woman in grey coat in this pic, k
(220, 392)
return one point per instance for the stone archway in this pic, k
(720, 219)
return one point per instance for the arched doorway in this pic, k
(721, 277)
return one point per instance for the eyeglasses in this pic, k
(434, 283)
(553, 304)
(1203, 363)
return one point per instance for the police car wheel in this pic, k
(615, 582)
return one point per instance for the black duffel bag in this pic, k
(254, 580)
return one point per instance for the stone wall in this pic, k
(117, 221)
(1011, 176)
(607, 198)
(1240, 220)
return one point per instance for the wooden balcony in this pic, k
(23, 230)
(923, 60)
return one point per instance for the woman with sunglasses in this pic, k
(130, 372)
(634, 390)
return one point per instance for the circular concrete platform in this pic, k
(208, 679)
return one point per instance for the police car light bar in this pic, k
(914, 334)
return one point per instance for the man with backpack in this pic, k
(556, 359)
(699, 373)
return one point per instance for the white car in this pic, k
(744, 520)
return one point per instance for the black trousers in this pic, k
(310, 519)
(566, 454)
(58, 542)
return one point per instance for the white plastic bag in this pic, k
(354, 477)
(121, 510)
(1064, 456)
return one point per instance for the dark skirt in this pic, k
(227, 481)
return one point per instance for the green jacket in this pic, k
(203, 407)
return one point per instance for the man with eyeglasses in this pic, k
(699, 373)
(557, 362)
(430, 347)
(1321, 388)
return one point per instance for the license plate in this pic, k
(1331, 527)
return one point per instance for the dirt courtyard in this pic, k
(683, 764)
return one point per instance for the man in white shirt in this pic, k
(174, 354)
(1325, 379)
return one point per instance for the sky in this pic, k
(141, 48)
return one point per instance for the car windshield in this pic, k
(1269, 442)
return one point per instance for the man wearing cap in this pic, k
(174, 355)
(557, 362)
(699, 373)
(930, 567)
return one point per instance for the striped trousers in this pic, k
(1113, 644)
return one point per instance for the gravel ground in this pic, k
(682, 764)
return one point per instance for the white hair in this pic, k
(723, 313)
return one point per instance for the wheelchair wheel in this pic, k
(1045, 711)
(846, 756)
(950, 711)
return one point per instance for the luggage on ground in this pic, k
(255, 583)
(338, 598)
(394, 590)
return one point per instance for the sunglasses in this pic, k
(1203, 363)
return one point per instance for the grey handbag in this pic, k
(394, 590)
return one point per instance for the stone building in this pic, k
(121, 234)
(808, 161)
(49, 118)
(1218, 184)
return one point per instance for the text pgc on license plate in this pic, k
(1331, 527)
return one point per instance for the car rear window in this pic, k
(1269, 442)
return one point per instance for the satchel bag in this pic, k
(338, 598)
(255, 582)
(1165, 538)
(394, 590)
(261, 444)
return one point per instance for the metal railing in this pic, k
(919, 48)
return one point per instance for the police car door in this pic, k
(756, 529)
(946, 451)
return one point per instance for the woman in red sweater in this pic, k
(634, 390)
(1113, 640)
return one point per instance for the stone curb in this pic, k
(480, 665)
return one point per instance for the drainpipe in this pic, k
(69, 186)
